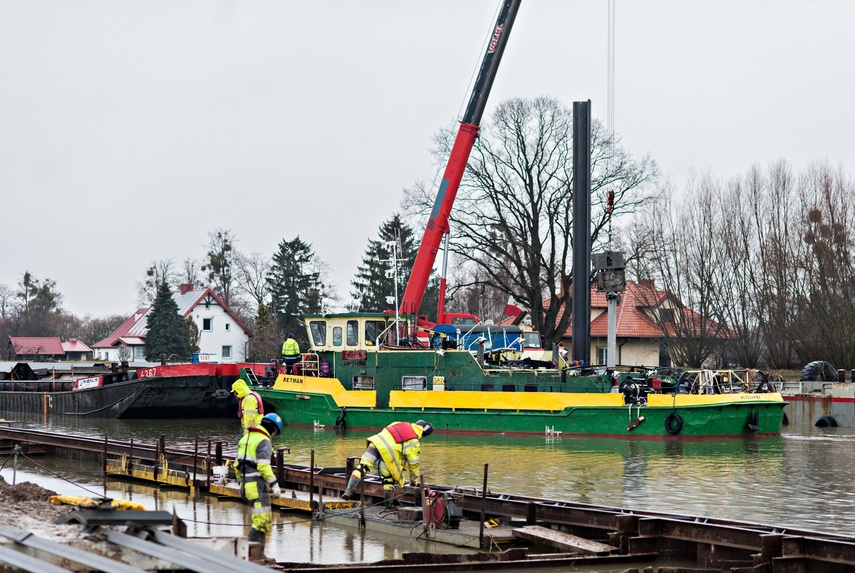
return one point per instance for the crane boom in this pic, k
(437, 224)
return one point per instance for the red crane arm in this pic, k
(437, 224)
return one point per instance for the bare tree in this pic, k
(826, 325)
(512, 222)
(779, 283)
(736, 283)
(220, 262)
(159, 272)
(6, 298)
(251, 281)
(191, 272)
(685, 258)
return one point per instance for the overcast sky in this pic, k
(130, 129)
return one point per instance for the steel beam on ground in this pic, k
(206, 554)
(27, 562)
(174, 556)
(92, 560)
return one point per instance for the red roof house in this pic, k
(35, 348)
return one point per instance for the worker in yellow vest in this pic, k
(393, 453)
(290, 353)
(258, 483)
(250, 406)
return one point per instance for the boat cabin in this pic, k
(354, 331)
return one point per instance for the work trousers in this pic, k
(256, 492)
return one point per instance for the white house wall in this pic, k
(224, 332)
(637, 352)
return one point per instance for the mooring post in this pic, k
(312, 481)
(280, 465)
(164, 465)
(195, 462)
(218, 455)
(130, 468)
(423, 500)
(483, 508)
(15, 451)
(531, 513)
(156, 459)
(208, 467)
(362, 500)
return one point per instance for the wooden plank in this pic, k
(563, 541)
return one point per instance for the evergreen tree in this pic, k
(168, 333)
(295, 285)
(371, 285)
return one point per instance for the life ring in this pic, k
(673, 423)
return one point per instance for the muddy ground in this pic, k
(27, 506)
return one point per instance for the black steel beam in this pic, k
(581, 230)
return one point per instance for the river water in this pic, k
(803, 479)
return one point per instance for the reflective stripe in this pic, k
(392, 455)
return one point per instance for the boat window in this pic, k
(509, 387)
(487, 387)
(531, 387)
(373, 328)
(532, 339)
(336, 336)
(352, 333)
(413, 383)
(363, 382)
(319, 332)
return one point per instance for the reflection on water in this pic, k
(804, 481)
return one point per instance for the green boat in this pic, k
(361, 372)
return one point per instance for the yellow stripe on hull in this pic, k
(459, 400)
(329, 386)
(710, 399)
(556, 401)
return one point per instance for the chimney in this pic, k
(647, 283)
(185, 288)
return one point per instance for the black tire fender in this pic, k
(826, 422)
(818, 370)
(673, 423)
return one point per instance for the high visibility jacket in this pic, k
(398, 445)
(290, 348)
(253, 456)
(250, 406)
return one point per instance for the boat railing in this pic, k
(52, 385)
(804, 388)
